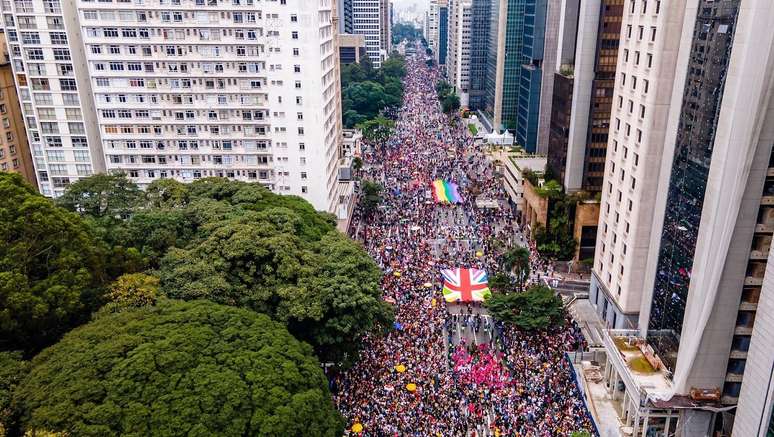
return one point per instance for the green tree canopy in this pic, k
(536, 308)
(52, 270)
(13, 369)
(367, 92)
(178, 368)
(101, 195)
(372, 195)
(377, 130)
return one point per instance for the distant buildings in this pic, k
(351, 48)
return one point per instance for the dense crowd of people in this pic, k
(422, 379)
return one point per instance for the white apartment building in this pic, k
(643, 92)
(431, 26)
(367, 21)
(53, 87)
(459, 48)
(186, 89)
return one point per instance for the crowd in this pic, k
(421, 379)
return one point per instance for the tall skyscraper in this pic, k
(458, 51)
(199, 88)
(443, 32)
(533, 42)
(686, 225)
(504, 64)
(344, 11)
(385, 18)
(366, 21)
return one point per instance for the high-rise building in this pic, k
(504, 64)
(367, 21)
(351, 48)
(458, 51)
(582, 97)
(479, 52)
(200, 88)
(54, 89)
(528, 103)
(15, 153)
(344, 11)
(441, 45)
(686, 223)
(433, 22)
(385, 25)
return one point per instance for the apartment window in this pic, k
(642, 111)
(652, 34)
(300, 130)
(304, 189)
(632, 7)
(303, 175)
(645, 85)
(293, 18)
(301, 146)
(34, 54)
(637, 58)
(634, 82)
(628, 30)
(620, 102)
(644, 6)
(81, 155)
(294, 34)
(67, 85)
(640, 32)
(298, 84)
(30, 38)
(650, 60)
(658, 6)
(623, 79)
(296, 68)
(639, 135)
(636, 159)
(626, 55)
(296, 52)
(55, 155)
(61, 54)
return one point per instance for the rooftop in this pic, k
(644, 372)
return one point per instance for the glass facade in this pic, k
(531, 73)
(479, 52)
(514, 36)
(443, 33)
(702, 95)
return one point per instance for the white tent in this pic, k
(503, 139)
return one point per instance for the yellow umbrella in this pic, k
(358, 427)
(433, 303)
(400, 368)
(479, 254)
(396, 274)
(411, 387)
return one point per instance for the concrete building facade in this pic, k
(195, 89)
(706, 284)
(15, 153)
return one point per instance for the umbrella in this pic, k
(411, 387)
(396, 274)
(358, 427)
(400, 368)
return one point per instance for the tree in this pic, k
(377, 130)
(258, 260)
(450, 103)
(372, 195)
(357, 163)
(12, 370)
(500, 282)
(52, 273)
(133, 290)
(101, 195)
(179, 368)
(516, 260)
(536, 308)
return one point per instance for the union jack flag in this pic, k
(465, 285)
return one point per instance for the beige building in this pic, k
(687, 220)
(15, 154)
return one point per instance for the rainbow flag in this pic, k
(446, 192)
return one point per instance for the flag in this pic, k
(465, 285)
(445, 192)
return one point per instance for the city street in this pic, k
(448, 369)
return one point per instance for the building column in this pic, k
(645, 423)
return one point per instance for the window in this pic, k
(294, 34)
(67, 85)
(61, 54)
(34, 54)
(296, 68)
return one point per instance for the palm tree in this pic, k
(516, 261)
